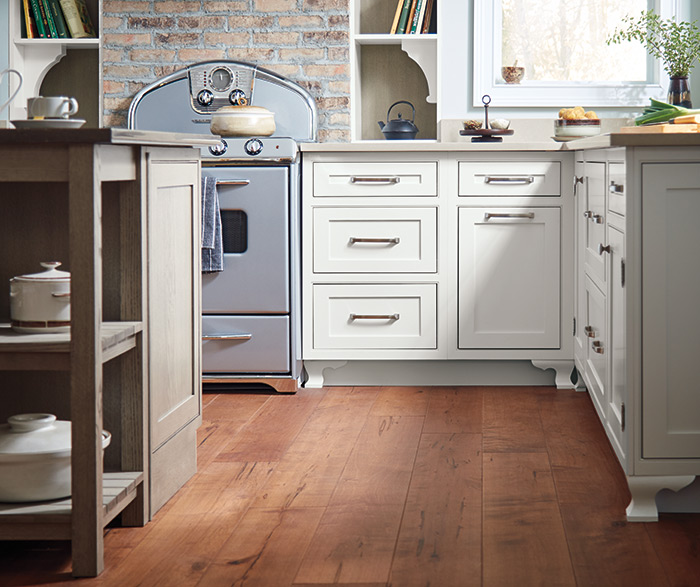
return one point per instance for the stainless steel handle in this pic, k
(232, 181)
(61, 295)
(604, 248)
(489, 215)
(616, 188)
(374, 180)
(374, 316)
(590, 332)
(509, 180)
(237, 336)
(597, 219)
(598, 347)
(391, 241)
(588, 214)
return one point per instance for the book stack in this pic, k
(413, 17)
(56, 19)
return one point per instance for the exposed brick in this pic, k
(275, 39)
(324, 5)
(176, 39)
(326, 38)
(117, 103)
(333, 135)
(112, 22)
(112, 87)
(339, 20)
(339, 54)
(126, 72)
(111, 55)
(154, 55)
(163, 70)
(187, 56)
(251, 55)
(339, 87)
(176, 7)
(301, 21)
(274, 5)
(290, 71)
(338, 119)
(250, 21)
(151, 22)
(333, 70)
(333, 102)
(115, 119)
(304, 54)
(127, 39)
(118, 7)
(225, 7)
(201, 22)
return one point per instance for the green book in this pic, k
(46, 9)
(403, 19)
(58, 19)
(415, 25)
(39, 20)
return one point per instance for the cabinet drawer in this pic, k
(376, 316)
(509, 178)
(375, 240)
(616, 188)
(375, 179)
(249, 344)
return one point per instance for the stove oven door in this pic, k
(254, 203)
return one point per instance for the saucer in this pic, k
(565, 139)
(49, 123)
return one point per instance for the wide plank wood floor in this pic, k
(389, 486)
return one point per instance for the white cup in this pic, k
(51, 107)
(13, 94)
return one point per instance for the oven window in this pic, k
(234, 227)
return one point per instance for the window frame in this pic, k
(487, 50)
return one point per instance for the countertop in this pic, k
(114, 136)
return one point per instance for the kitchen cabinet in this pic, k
(57, 67)
(121, 209)
(437, 256)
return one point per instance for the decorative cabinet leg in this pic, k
(314, 371)
(642, 508)
(563, 370)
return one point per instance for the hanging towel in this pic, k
(212, 243)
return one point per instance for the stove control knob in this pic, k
(238, 98)
(253, 146)
(219, 149)
(205, 98)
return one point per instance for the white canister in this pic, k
(40, 302)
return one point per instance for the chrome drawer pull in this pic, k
(375, 180)
(390, 241)
(374, 316)
(597, 219)
(489, 215)
(590, 332)
(509, 180)
(238, 336)
(232, 181)
(598, 347)
(588, 214)
(616, 188)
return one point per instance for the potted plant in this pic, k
(676, 44)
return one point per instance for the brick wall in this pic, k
(304, 40)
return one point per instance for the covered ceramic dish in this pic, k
(242, 121)
(35, 458)
(40, 302)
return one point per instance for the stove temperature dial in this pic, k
(253, 146)
(205, 98)
(238, 98)
(219, 149)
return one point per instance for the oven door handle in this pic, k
(232, 181)
(235, 336)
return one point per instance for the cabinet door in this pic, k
(594, 227)
(670, 315)
(173, 297)
(596, 331)
(580, 339)
(509, 290)
(616, 341)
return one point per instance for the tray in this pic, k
(486, 135)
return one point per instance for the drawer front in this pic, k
(509, 178)
(616, 188)
(375, 179)
(395, 316)
(375, 240)
(250, 344)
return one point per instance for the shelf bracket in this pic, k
(425, 55)
(37, 59)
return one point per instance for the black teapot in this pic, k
(399, 128)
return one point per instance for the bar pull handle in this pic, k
(489, 215)
(375, 180)
(232, 181)
(374, 316)
(389, 241)
(616, 188)
(509, 180)
(590, 332)
(236, 336)
(598, 347)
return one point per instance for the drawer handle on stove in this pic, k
(374, 316)
(511, 180)
(489, 215)
(374, 180)
(238, 336)
(232, 181)
(391, 241)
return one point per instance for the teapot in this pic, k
(399, 128)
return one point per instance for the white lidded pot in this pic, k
(40, 302)
(35, 458)
(242, 121)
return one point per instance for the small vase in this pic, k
(679, 92)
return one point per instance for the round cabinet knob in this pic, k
(205, 98)
(219, 149)
(238, 98)
(253, 146)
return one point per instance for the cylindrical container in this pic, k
(242, 121)
(679, 92)
(40, 302)
(35, 458)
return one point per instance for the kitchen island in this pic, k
(120, 209)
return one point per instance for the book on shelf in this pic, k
(411, 12)
(59, 21)
(29, 26)
(397, 16)
(77, 19)
(50, 24)
(403, 18)
(42, 26)
(430, 18)
(417, 22)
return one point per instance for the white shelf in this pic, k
(376, 39)
(68, 43)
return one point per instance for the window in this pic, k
(561, 44)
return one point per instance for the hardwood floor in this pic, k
(425, 487)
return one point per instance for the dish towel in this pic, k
(212, 243)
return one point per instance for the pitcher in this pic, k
(13, 94)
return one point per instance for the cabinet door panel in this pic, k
(580, 339)
(670, 316)
(596, 330)
(594, 231)
(617, 340)
(173, 297)
(509, 289)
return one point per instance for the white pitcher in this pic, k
(13, 94)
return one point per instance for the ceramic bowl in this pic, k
(242, 121)
(583, 127)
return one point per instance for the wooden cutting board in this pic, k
(661, 128)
